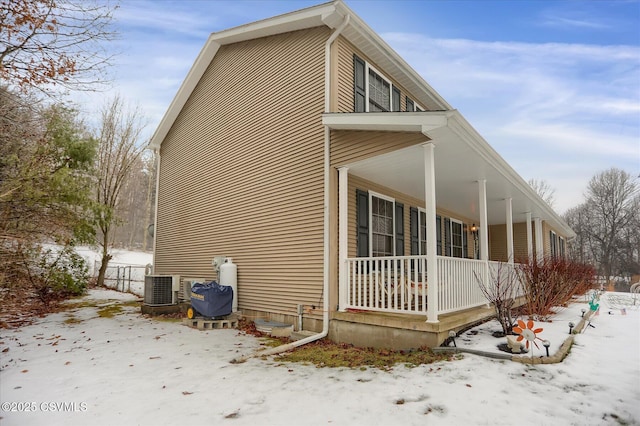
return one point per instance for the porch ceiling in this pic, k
(462, 158)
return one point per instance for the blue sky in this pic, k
(553, 86)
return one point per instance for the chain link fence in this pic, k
(123, 277)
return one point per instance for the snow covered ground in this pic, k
(78, 368)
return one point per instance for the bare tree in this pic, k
(613, 203)
(54, 42)
(544, 190)
(119, 150)
(135, 209)
(501, 290)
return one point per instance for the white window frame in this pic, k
(393, 226)
(451, 246)
(367, 67)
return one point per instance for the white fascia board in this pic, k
(387, 121)
(476, 142)
(193, 78)
(314, 16)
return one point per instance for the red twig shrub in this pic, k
(551, 282)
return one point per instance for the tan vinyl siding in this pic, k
(351, 145)
(520, 248)
(498, 243)
(242, 172)
(345, 77)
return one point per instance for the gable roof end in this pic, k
(329, 14)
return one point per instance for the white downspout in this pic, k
(155, 213)
(325, 272)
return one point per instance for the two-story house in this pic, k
(347, 191)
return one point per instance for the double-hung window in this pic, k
(456, 238)
(379, 92)
(372, 91)
(382, 225)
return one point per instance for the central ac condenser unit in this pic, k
(161, 289)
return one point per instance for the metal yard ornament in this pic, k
(528, 333)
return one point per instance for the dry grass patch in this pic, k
(324, 353)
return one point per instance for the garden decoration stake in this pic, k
(594, 306)
(528, 333)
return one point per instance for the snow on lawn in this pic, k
(133, 370)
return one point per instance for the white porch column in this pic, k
(430, 210)
(343, 235)
(510, 253)
(529, 237)
(484, 227)
(539, 245)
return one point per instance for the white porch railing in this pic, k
(399, 283)
(458, 286)
(387, 284)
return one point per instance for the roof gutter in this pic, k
(326, 253)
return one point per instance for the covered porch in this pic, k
(453, 169)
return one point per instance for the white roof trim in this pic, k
(329, 14)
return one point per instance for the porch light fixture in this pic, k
(571, 325)
(546, 345)
(474, 233)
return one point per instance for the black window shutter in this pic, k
(395, 105)
(465, 249)
(439, 235)
(413, 225)
(359, 85)
(447, 237)
(362, 223)
(399, 229)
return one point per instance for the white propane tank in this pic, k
(229, 277)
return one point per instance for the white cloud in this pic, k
(559, 112)
(559, 21)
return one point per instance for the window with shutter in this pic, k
(410, 105)
(372, 91)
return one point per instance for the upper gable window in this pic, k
(412, 106)
(372, 91)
